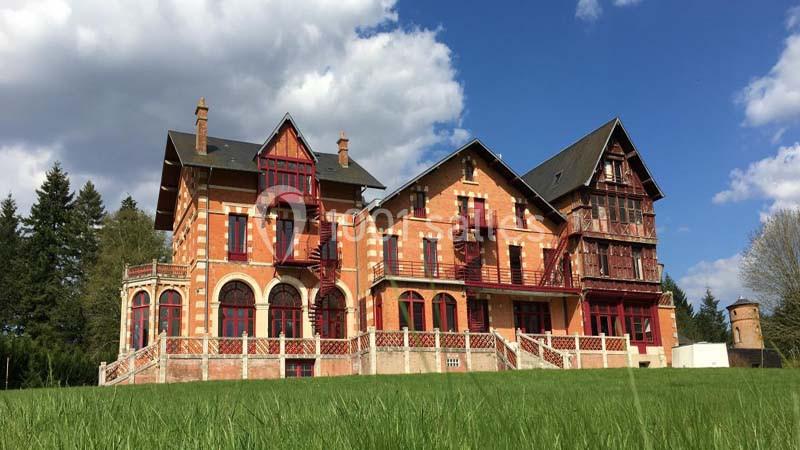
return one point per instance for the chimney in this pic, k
(344, 160)
(201, 132)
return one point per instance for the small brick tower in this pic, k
(746, 324)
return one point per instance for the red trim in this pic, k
(237, 237)
(169, 313)
(414, 304)
(441, 303)
(140, 315)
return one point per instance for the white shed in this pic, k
(702, 354)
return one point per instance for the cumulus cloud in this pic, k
(106, 81)
(591, 10)
(774, 178)
(24, 169)
(775, 97)
(721, 276)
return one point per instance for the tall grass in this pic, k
(704, 409)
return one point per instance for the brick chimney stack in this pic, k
(344, 159)
(201, 124)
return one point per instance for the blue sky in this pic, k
(538, 78)
(709, 90)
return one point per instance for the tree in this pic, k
(126, 237)
(49, 259)
(771, 269)
(87, 219)
(684, 311)
(710, 321)
(10, 277)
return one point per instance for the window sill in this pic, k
(470, 182)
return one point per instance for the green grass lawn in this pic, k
(619, 408)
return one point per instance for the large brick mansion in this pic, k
(280, 268)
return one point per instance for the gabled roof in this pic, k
(496, 163)
(575, 166)
(286, 118)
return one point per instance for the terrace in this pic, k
(155, 270)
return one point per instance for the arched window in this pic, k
(469, 171)
(444, 313)
(140, 320)
(331, 315)
(169, 313)
(412, 311)
(236, 309)
(285, 311)
(737, 335)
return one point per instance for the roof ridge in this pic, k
(616, 118)
(215, 137)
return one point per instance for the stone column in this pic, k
(628, 349)
(373, 352)
(245, 358)
(467, 351)
(282, 357)
(101, 374)
(603, 349)
(437, 350)
(541, 353)
(577, 350)
(204, 361)
(406, 352)
(162, 357)
(317, 356)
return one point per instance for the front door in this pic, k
(480, 212)
(284, 239)
(478, 315)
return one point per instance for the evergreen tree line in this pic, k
(60, 281)
(708, 324)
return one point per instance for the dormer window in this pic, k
(291, 173)
(613, 171)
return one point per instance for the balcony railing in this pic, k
(582, 222)
(485, 276)
(301, 252)
(621, 268)
(155, 269)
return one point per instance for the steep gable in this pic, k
(287, 141)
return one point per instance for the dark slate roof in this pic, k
(576, 164)
(496, 163)
(742, 301)
(238, 155)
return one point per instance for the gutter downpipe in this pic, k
(208, 230)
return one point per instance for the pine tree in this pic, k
(127, 237)
(684, 311)
(87, 219)
(49, 258)
(10, 277)
(712, 326)
(129, 204)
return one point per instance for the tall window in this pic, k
(639, 323)
(237, 238)
(613, 171)
(169, 313)
(519, 215)
(635, 211)
(412, 311)
(390, 263)
(444, 313)
(612, 208)
(636, 257)
(419, 204)
(297, 174)
(332, 315)
(430, 256)
(605, 319)
(532, 317)
(602, 254)
(378, 312)
(463, 206)
(469, 171)
(515, 262)
(140, 320)
(285, 311)
(284, 239)
(623, 214)
(236, 310)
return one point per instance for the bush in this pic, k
(31, 364)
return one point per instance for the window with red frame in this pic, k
(444, 313)
(285, 311)
(299, 368)
(331, 314)
(169, 313)
(605, 319)
(412, 311)
(362, 314)
(294, 173)
(379, 313)
(419, 204)
(639, 323)
(236, 310)
(140, 320)
(430, 258)
(532, 317)
(519, 215)
(390, 262)
(237, 237)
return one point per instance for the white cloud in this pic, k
(588, 10)
(775, 178)
(109, 80)
(721, 276)
(591, 10)
(24, 170)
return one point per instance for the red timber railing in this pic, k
(155, 269)
(126, 368)
(485, 276)
(577, 344)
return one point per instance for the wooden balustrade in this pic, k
(155, 269)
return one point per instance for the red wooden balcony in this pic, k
(622, 276)
(582, 222)
(154, 269)
(488, 277)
